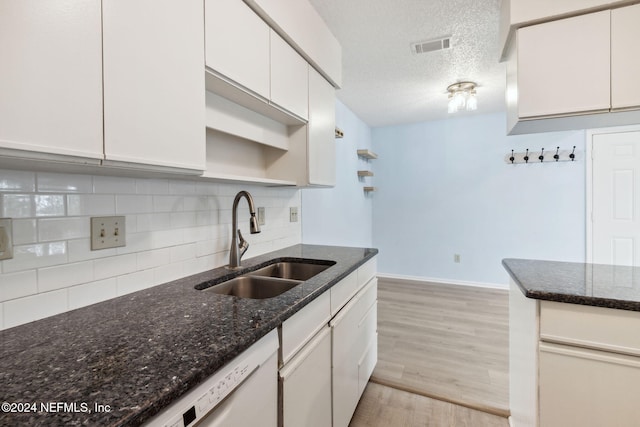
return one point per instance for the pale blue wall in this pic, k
(444, 188)
(341, 215)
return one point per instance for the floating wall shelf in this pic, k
(367, 154)
(370, 189)
(365, 173)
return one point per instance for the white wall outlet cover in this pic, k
(260, 215)
(293, 214)
(108, 232)
(6, 238)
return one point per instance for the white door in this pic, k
(616, 198)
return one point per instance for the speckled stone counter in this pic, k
(577, 283)
(137, 353)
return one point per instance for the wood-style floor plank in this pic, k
(445, 341)
(382, 406)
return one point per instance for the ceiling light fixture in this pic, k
(462, 96)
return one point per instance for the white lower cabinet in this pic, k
(305, 384)
(354, 352)
(582, 387)
(327, 353)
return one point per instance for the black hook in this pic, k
(541, 156)
(572, 156)
(512, 158)
(526, 156)
(557, 156)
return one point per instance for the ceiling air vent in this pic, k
(431, 45)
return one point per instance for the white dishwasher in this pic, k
(242, 393)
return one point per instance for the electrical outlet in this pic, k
(6, 238)
(108, 232)
(293, 214)
(260, 216)
(456, 258)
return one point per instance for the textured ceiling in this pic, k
(384, 83)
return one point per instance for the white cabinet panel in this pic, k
(321, 153)
(580, 387)
(237, 44)
(300, 327)
(154, 82)
(354, 338)
(289, 78)
(563, 66)
(625, 61)
(306, 384)
(51, 77)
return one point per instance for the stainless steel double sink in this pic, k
(271, 280)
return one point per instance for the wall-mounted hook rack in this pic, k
(527, 156)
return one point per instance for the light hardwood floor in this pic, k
(383, 406)
(449, 342)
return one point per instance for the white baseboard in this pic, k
(418, 279)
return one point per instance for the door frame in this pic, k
(589, 179)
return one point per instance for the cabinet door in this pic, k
(354, 355)
(237, 44)
(289, 78)
(564, 66)
(580, 387)
(321, 133)
(625, 62)
(306, 385)
(51, 77)
(154, 82)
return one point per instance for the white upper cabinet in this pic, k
(321, 132)
(154, 91)
(237, 44)
(575, 73)
(289, 78)
(625, 61)
(563, 66)
(51, 77)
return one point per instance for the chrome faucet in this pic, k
(238, 245)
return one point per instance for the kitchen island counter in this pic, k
(597, 285)
(122, 361)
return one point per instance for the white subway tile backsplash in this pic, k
(64, 183)
(91, 204)
(114, 185)
(92, 292)
(63, 276)
(24, 231)
(18, 285)
(182, 188)
(152, 186)
(135, 282)
(80, 250)
(168, 203)
(137, 204)
(114, 266)
(183, 252)
(21, 181)
(54, 229)
(174, 228)
(154, 258)
(49, 205)
(37, 255)
(17, 205)
(28, 309)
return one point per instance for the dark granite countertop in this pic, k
(139, 352)
(577, 283)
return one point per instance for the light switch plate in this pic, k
(6, 238)
(108, 232)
